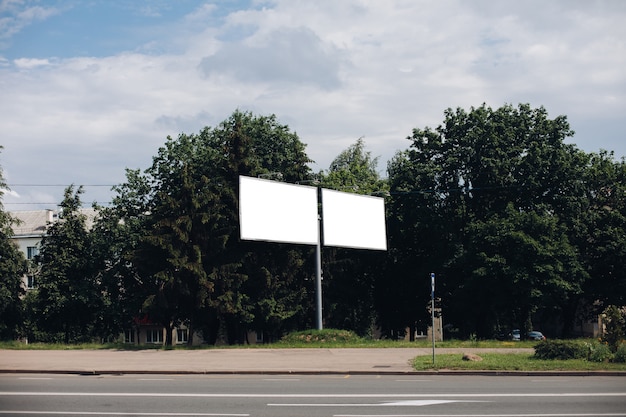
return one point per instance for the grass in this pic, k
(75, 346)
(330, 338)
(510, 362)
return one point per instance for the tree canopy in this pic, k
(12, 267)
(522, 229)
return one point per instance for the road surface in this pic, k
(311, 395)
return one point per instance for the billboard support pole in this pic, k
(318, 278)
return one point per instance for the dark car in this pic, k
(532, 335)
(535, 335)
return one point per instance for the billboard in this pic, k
(277, 211)
(353, 220)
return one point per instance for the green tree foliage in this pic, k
(519, 262)
(191, 264)
(67, 299)
(13, 266)
(520, 228)
(354, 169)
(473, 196)
(599, 231)
(350, 274)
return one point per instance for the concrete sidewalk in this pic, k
(207, 361)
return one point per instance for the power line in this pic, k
(56, 203)
(61, 185)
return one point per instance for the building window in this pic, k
(154, 336)
(182, 335)
(129, 336)
(30, 283)
(32, 251)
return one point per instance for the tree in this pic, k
(350, 274)
(421, 242)
(509, 166)
(354, 169)
(13, 266)
(192, 266)
(67, 298)
(600, 232)
(520, 260)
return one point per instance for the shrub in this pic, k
(598, 352)
(620, 354)
(614, 321)
(321, 336)
(560, 349)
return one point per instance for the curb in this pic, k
(96, 372)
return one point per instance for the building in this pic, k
(30, 230)
(28, 233)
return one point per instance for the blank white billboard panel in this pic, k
(353, 220)
(277, 212)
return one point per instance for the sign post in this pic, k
(432, 309)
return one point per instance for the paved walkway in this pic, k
(390, 360)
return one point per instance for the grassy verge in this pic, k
(330, 338)
(75, 346)
(341, 339)
(327, 338)
(510, 362)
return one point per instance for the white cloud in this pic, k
(28, 63)
(19, 14)
(333, 71)
(286, 56)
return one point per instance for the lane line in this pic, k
(414, 403)
(35, 378)
(155, 379)
(281, 380)
(251, 395)
(486, 415)
(111, 413)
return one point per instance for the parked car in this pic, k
(535, 335)
(532, 335)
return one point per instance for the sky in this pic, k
(89, 88)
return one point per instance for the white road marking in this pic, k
(155, 379)
(34, 378)
(105, 413)
(485, 415)
(251, 395)
(413, 380)
(280, 379)
(413, 403)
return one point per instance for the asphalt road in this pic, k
(311, 395)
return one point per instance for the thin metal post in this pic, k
(432, 309)
(318, 280)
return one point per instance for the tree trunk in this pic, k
(168, 334)
(190, 333)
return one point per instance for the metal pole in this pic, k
(432, 309)
(318, 280)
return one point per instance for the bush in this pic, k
(598, 352)
(592, 351)
(620, 354)
(560, 349)
(321, 336)
(614, 321)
